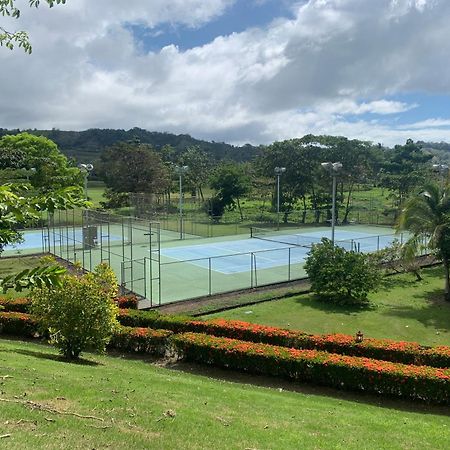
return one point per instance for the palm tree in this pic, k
(427, 215)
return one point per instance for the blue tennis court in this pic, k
(269, 251)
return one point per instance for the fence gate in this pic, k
(141, 277)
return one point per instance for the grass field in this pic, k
(403, 309)
(133, 404)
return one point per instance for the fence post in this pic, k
(209, 276)
(289, 264)
(251, 269)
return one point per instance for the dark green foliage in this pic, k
(341, 276)
(133, 167)
(231, 182)
(404, 169)
(86, 146)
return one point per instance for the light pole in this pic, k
(278, 172)
(333, 169)
(180, 171)
(86, 169)
(442, 170)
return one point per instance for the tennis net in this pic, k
(288, 239)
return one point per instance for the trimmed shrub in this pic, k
(340, 371)
(140, 340)
(339, 275)
(18, 324)
(15, 304)
(129, 301)
(384, 349)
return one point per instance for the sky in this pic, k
(237, 71)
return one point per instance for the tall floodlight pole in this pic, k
(181, 170)
(278, 172)
(442, 169)
(333, 169)
(86, 169)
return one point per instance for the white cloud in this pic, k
(424, 124)
(334, 59)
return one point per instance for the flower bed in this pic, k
(344, 372)
(140, 340)
(129, 301)
(14, 304)
(383, 349)
(17, 324)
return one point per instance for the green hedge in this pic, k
(17, 324)
(340, 371)
(14, 304)
(383, 349)
(140, 340)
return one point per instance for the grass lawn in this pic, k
(95, 192)
(134, 404)
(10, 266)
(403, 309)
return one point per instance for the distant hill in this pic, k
(441, 150)
(86, 146)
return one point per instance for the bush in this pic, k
(18, 324)
(343, 372)
(339, 275)
(140, 340)
(383, 349)
(81, 313)
(129, 301)
(15, 304)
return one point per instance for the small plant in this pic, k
(81, 313)
(339, 275)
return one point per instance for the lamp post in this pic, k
(278, 172)
(333, 169)
(180, 171)
(86, 169)
(442, 170)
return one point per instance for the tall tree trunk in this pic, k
(447, 280)
(347, 206)
(304, 209)
(240, 210)
(201, 193)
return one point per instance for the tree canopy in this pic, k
(40, 160)
(133, 167)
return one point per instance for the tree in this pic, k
(198, 162)
(133, 167)
(47, 168)
(340, 276)
(405, 169)
(231, 181)
(80, 313)
(20, 38)
(16, 210)
(427, 216)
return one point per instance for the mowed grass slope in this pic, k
(134, 404)
(403, 309)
